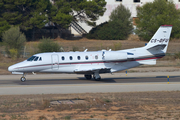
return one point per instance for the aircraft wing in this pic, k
(91, 71)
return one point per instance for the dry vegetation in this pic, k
(122, 106)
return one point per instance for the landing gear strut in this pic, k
(97, 77)
(23, 79)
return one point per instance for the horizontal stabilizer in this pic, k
(157, 47)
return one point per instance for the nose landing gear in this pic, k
(23, 79)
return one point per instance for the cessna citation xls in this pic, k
(96, 62)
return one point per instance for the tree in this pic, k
(154, 14)
(118, 28)
(63, 12)
(3, 26)
(36, 13)
(24, 13)
(14, 41)
(121, 22)
(93, 33)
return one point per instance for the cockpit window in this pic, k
(36, 58)
(31, 58)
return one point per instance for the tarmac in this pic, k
(72, 83)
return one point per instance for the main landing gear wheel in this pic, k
(88, 77)
(23, 79)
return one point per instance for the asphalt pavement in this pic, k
(72, 83)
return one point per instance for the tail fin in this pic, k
(160, 40)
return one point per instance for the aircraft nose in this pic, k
(10, 68)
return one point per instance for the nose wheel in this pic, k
(23, 79)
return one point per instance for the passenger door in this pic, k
(55, 62)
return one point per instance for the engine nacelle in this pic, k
(114, 55)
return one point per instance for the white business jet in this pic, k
(96, 62)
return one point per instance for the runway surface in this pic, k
(70, 83)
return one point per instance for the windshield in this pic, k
(31, 58)
(36, 58)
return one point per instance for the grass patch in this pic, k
(42, 118)
(67, 117)
(3, 115)
(107, 100)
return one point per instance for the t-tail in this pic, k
(157, 46)
(159, 42)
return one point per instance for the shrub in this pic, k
(177, 55)
(13, 53)
(13, 39)
(74, 49)
(117, 46)
(118, 28)
(67, 117)
(47, 45)
(93, 32)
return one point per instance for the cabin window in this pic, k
(36, 58)
(96, 57)
(78, 57)
(136, 0)
(40, 59)
(70, 57)
(62, 58)
(31, 58)
(118, 0)
(86, 57)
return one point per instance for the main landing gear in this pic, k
(23, 79)
(88, 77)
(96, 77)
